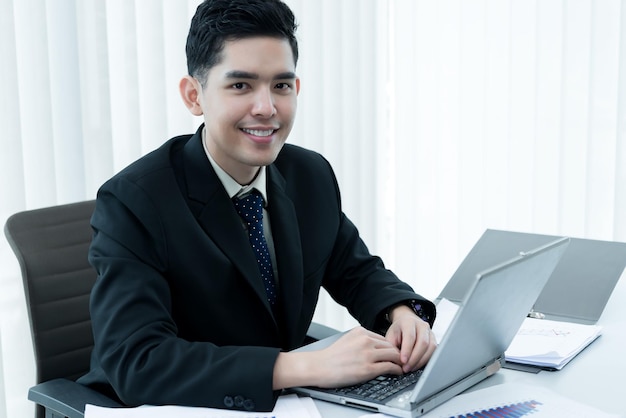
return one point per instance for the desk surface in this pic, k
(595, 377)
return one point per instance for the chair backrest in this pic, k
(51, 245)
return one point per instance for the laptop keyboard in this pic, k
(380, 388)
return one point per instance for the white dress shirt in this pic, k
(236, 190)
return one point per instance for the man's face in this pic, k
(249, 104)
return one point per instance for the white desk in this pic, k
(595, 377)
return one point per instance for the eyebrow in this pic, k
(252, 76)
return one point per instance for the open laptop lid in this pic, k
(488, 318)
(579, 287)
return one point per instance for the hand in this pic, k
(412, 336)
(358, 356)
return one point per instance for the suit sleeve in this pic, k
(137, 345)
(359, 280)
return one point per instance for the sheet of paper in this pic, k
(288, 406)
(542, 342)
(511, 400)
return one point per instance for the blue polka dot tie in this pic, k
(250, 208)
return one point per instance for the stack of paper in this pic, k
(550, 344)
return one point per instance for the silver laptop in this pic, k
(473, 347)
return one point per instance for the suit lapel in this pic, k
(216, 214)
(288, 248)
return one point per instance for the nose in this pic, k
(264, 104)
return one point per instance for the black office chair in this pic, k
(51, 245)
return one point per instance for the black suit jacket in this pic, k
(179, 311)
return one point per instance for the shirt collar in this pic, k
(233, 188)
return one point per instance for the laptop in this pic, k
(577, 290)
(474, 344)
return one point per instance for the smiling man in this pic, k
(211, 250)
(248, 101)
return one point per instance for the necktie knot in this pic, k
(250, 208)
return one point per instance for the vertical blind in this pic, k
(440, 118)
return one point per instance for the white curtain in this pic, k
(88, 86)
(504, 114)
(441, 119)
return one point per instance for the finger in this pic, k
(432, 345)
(421, 351)
(388, 368)
(386, 356)
(407, 349)
(393, 336)
(364, 341)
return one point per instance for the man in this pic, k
(183, 311)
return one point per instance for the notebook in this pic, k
(473, 346)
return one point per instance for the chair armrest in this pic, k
(319, 332)
(68, 398)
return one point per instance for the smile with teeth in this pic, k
(259, 132)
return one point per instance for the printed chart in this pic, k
(517, 410)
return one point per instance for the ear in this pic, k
(190, 91)
(297, 86)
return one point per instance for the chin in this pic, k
(266, 157)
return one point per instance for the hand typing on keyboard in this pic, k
(360, 355)
(412, 336)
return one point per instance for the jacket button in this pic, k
(248, 405)
(228, 402)
(238, 401)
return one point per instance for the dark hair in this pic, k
(218, 21)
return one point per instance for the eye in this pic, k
(239, 86)
(283, 86)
